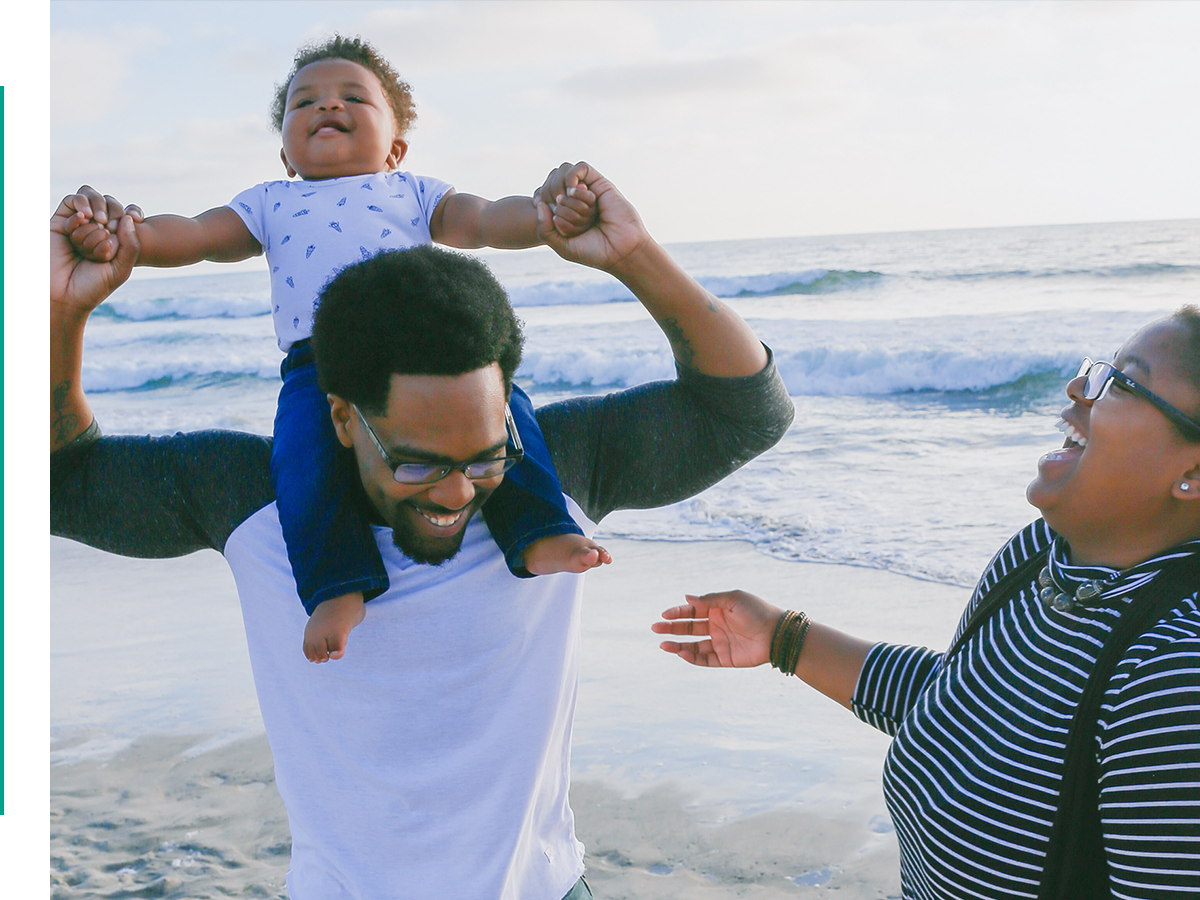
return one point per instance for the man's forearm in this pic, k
(705, 334)
(70, 412)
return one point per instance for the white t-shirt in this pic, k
(433, 760)
(311, 230)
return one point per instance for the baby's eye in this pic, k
(301, 103)
(354, 99)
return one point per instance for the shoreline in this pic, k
(686, 782)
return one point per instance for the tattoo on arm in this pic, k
(64, 424)
(679, 342)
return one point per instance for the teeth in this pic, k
(1061, 424)
(441, 521)
(1074, 435)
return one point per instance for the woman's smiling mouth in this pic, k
(1074, 436)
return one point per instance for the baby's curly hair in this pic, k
(356, 50)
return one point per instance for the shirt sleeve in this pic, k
(892, 678)
(663, 442)
(430, 192)
(1149, 755)
(251, 206)
(157, 497)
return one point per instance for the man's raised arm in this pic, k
(137, 496)
(77, 287)
(705, 334)
(662, 442)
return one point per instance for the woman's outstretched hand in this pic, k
(738, 627)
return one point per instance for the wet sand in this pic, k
(686, 782)
(154, 822)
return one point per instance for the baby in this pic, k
(343, 114)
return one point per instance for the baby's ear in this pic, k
(399, 151)
(287, 165)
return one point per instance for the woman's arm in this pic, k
(738, 628)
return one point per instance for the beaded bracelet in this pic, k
(788, 641)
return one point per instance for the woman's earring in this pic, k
(1184, 486)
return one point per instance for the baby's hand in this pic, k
(570, 200)
(575, 211)
(92, 229)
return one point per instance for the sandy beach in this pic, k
(687, 782)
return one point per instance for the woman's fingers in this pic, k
(699, 653)
(687, 627)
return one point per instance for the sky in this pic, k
(718, 120)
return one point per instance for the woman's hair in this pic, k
(421, 311)
(355, 50)
(1189, 317)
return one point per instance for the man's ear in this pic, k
(398, 152)
(287, 165)
(339, 411)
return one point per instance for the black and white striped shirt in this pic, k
(972, 777)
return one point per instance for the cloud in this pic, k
(654, 80)
(201, 164)
(456, 38)
(88, 71)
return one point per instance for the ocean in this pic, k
(927, 370)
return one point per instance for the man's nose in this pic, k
(454, 491)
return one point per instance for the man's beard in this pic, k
(421, 548)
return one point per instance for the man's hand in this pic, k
(739, 627)
(617, 233)
(82, 284)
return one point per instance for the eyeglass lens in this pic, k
(422, 473)
(1099, 376)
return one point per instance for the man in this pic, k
(433, 761)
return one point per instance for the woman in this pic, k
(974, 775)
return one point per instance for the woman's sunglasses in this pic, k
(1101, 375)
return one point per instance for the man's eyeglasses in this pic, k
(1101, 375)
(428, 473)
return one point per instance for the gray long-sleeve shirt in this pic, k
(648, 446)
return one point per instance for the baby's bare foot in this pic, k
(564, 553)
(329, 626)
